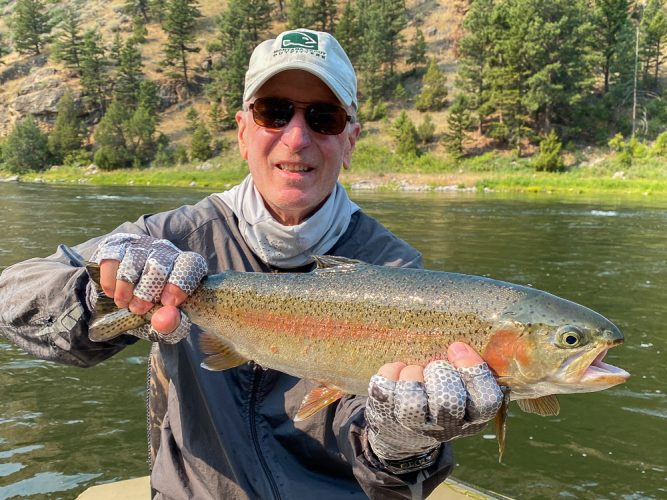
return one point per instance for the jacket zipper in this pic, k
(258, 373)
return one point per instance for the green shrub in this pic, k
(25, 148)
(549, 159)
(426, 129)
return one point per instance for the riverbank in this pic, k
(377, 169)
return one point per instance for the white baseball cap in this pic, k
(317, 52)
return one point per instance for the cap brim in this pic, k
(344, 97)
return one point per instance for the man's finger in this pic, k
(461, 355)
(108, 270)
(172, 295)
(139, 306)
(391, 371)
(123, 293)
(166, 319)
(412, 373)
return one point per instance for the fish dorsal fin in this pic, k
(317, 399)
(545, 406)
(501, 422)
(329, 261)
(221, 354)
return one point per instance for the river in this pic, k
(63, 429)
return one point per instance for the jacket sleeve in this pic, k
(44, 307)
(350, 427)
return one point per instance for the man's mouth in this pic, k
(293, 168)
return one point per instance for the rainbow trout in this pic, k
(339, 323)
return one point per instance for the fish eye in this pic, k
(569, 336)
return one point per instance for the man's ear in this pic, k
(242, 125)
(351, 141)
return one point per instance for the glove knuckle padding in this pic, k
(132, 264)
(410, 404)
(189, 269)
(484, 394)
(113, 247)
(446, 392)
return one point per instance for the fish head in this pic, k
(553, 346)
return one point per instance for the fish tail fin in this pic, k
(109, 321)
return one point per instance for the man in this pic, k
(231, 434)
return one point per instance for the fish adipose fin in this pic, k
(220, 354)
(109, 321)
(329, 261)
(317, 399)
(546, 406)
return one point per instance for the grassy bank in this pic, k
(375, 166)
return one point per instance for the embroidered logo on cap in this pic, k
(300, 42)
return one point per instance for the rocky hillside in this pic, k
(34, 85)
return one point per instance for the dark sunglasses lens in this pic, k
(272, 113)
(326, 118)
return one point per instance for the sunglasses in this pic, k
(322, 117)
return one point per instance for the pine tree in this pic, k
(458, 123)
(68, 38)
(298, 15)
(475, 49)
(434, 90)
(654, 30)
(138, 8)
(257, 19)
(323, 14)
(347, 32)
(417, 51)
(405, 135)
(371, 60)
(139, 29)
(239, 32)
(4, 50)
(30, 25)
(394, 20)
(67, 134)
(111, 150)
(611, 22)
(200, 149)
(94, 68)
(180, 26)
(129, 74)
(25, 148)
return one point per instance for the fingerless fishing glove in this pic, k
(150, 263)
(407, 421)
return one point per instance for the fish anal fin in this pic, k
(545, 406)
(221, 354)
(317, 399)
(501, 422)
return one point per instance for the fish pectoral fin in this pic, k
(317, 399)
(329, 261)
(501, 422)
(545, 406)
(221, 354)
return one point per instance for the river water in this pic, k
(63, 429)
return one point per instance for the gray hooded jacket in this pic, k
(227, 434)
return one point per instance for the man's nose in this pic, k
(297, 135)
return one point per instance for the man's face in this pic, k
(294, 168)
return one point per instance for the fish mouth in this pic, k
(601, 373)
(590, 373)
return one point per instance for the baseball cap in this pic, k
(317, 52)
